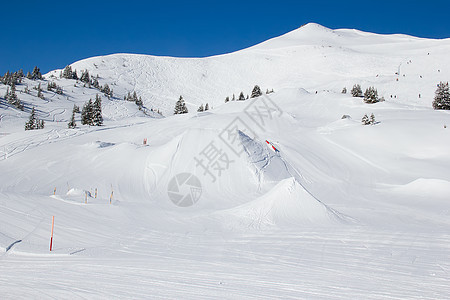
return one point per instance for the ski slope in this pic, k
(340, 211)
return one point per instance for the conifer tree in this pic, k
(36, 74)
(256, 92)
(442, 96)
(40, 94)
(372, 119)
(365, 120)
(87, 113)
(33, 122)
(72, 124)
(234, 98)
(85, 76)
(200, 108)
(356, 91)
(371, 95)
(206, 107)
(227, 99)
(241, 96)
(97, 118)
(67, 73)
(344, 90)
(139, 102)
(180, 107)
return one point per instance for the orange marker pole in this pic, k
(54, 191)
(51, 238)
(110, 198)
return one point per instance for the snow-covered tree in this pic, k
(39, 92)
(365, 120)
(234, 98)
(344, 90)
(36, 74)
(108, 92)
(72, 124)
(67, 73)
(442, 96)
(206, 106)
(227, 99)
(372, 119)
(241, 96)
(85, 76)
(356, 91)
(371, 95)
(200, 108)
(256, 92)
(139, 102)
(97, 118)
(87, 113)
(180, 107)
(33, 122)
(12, 98)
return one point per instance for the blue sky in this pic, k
(52, 34)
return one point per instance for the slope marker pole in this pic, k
(51, 237)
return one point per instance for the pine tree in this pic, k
(139, 102)
(33, 122)
(12, 98)
(241, 96)
(87, 113)
(227, 99)
(234, 98)
(206, 107)
(365, 120)
(200, 108)
(36, 74)
(356, 91)
(67, 73)
(256, 92)
(97, 118)
(40, 94)
(344, 90)
(107, 91)
(372, 119)
(72, 124)
(442, 96)
(180, 107)
(85, 76)
(371, 95)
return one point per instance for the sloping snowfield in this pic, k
(272, 197)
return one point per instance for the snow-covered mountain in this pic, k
(273, 197)
(312, 57)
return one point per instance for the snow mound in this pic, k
(423, 187)
(287, 204)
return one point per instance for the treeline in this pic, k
(256, 92)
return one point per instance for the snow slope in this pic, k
(340, 211)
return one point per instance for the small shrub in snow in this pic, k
(344, 90)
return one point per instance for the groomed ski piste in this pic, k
(273, 197)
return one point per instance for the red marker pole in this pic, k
(51, 238)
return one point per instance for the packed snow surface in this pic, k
(272, 197)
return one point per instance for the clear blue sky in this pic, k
(52, 34)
